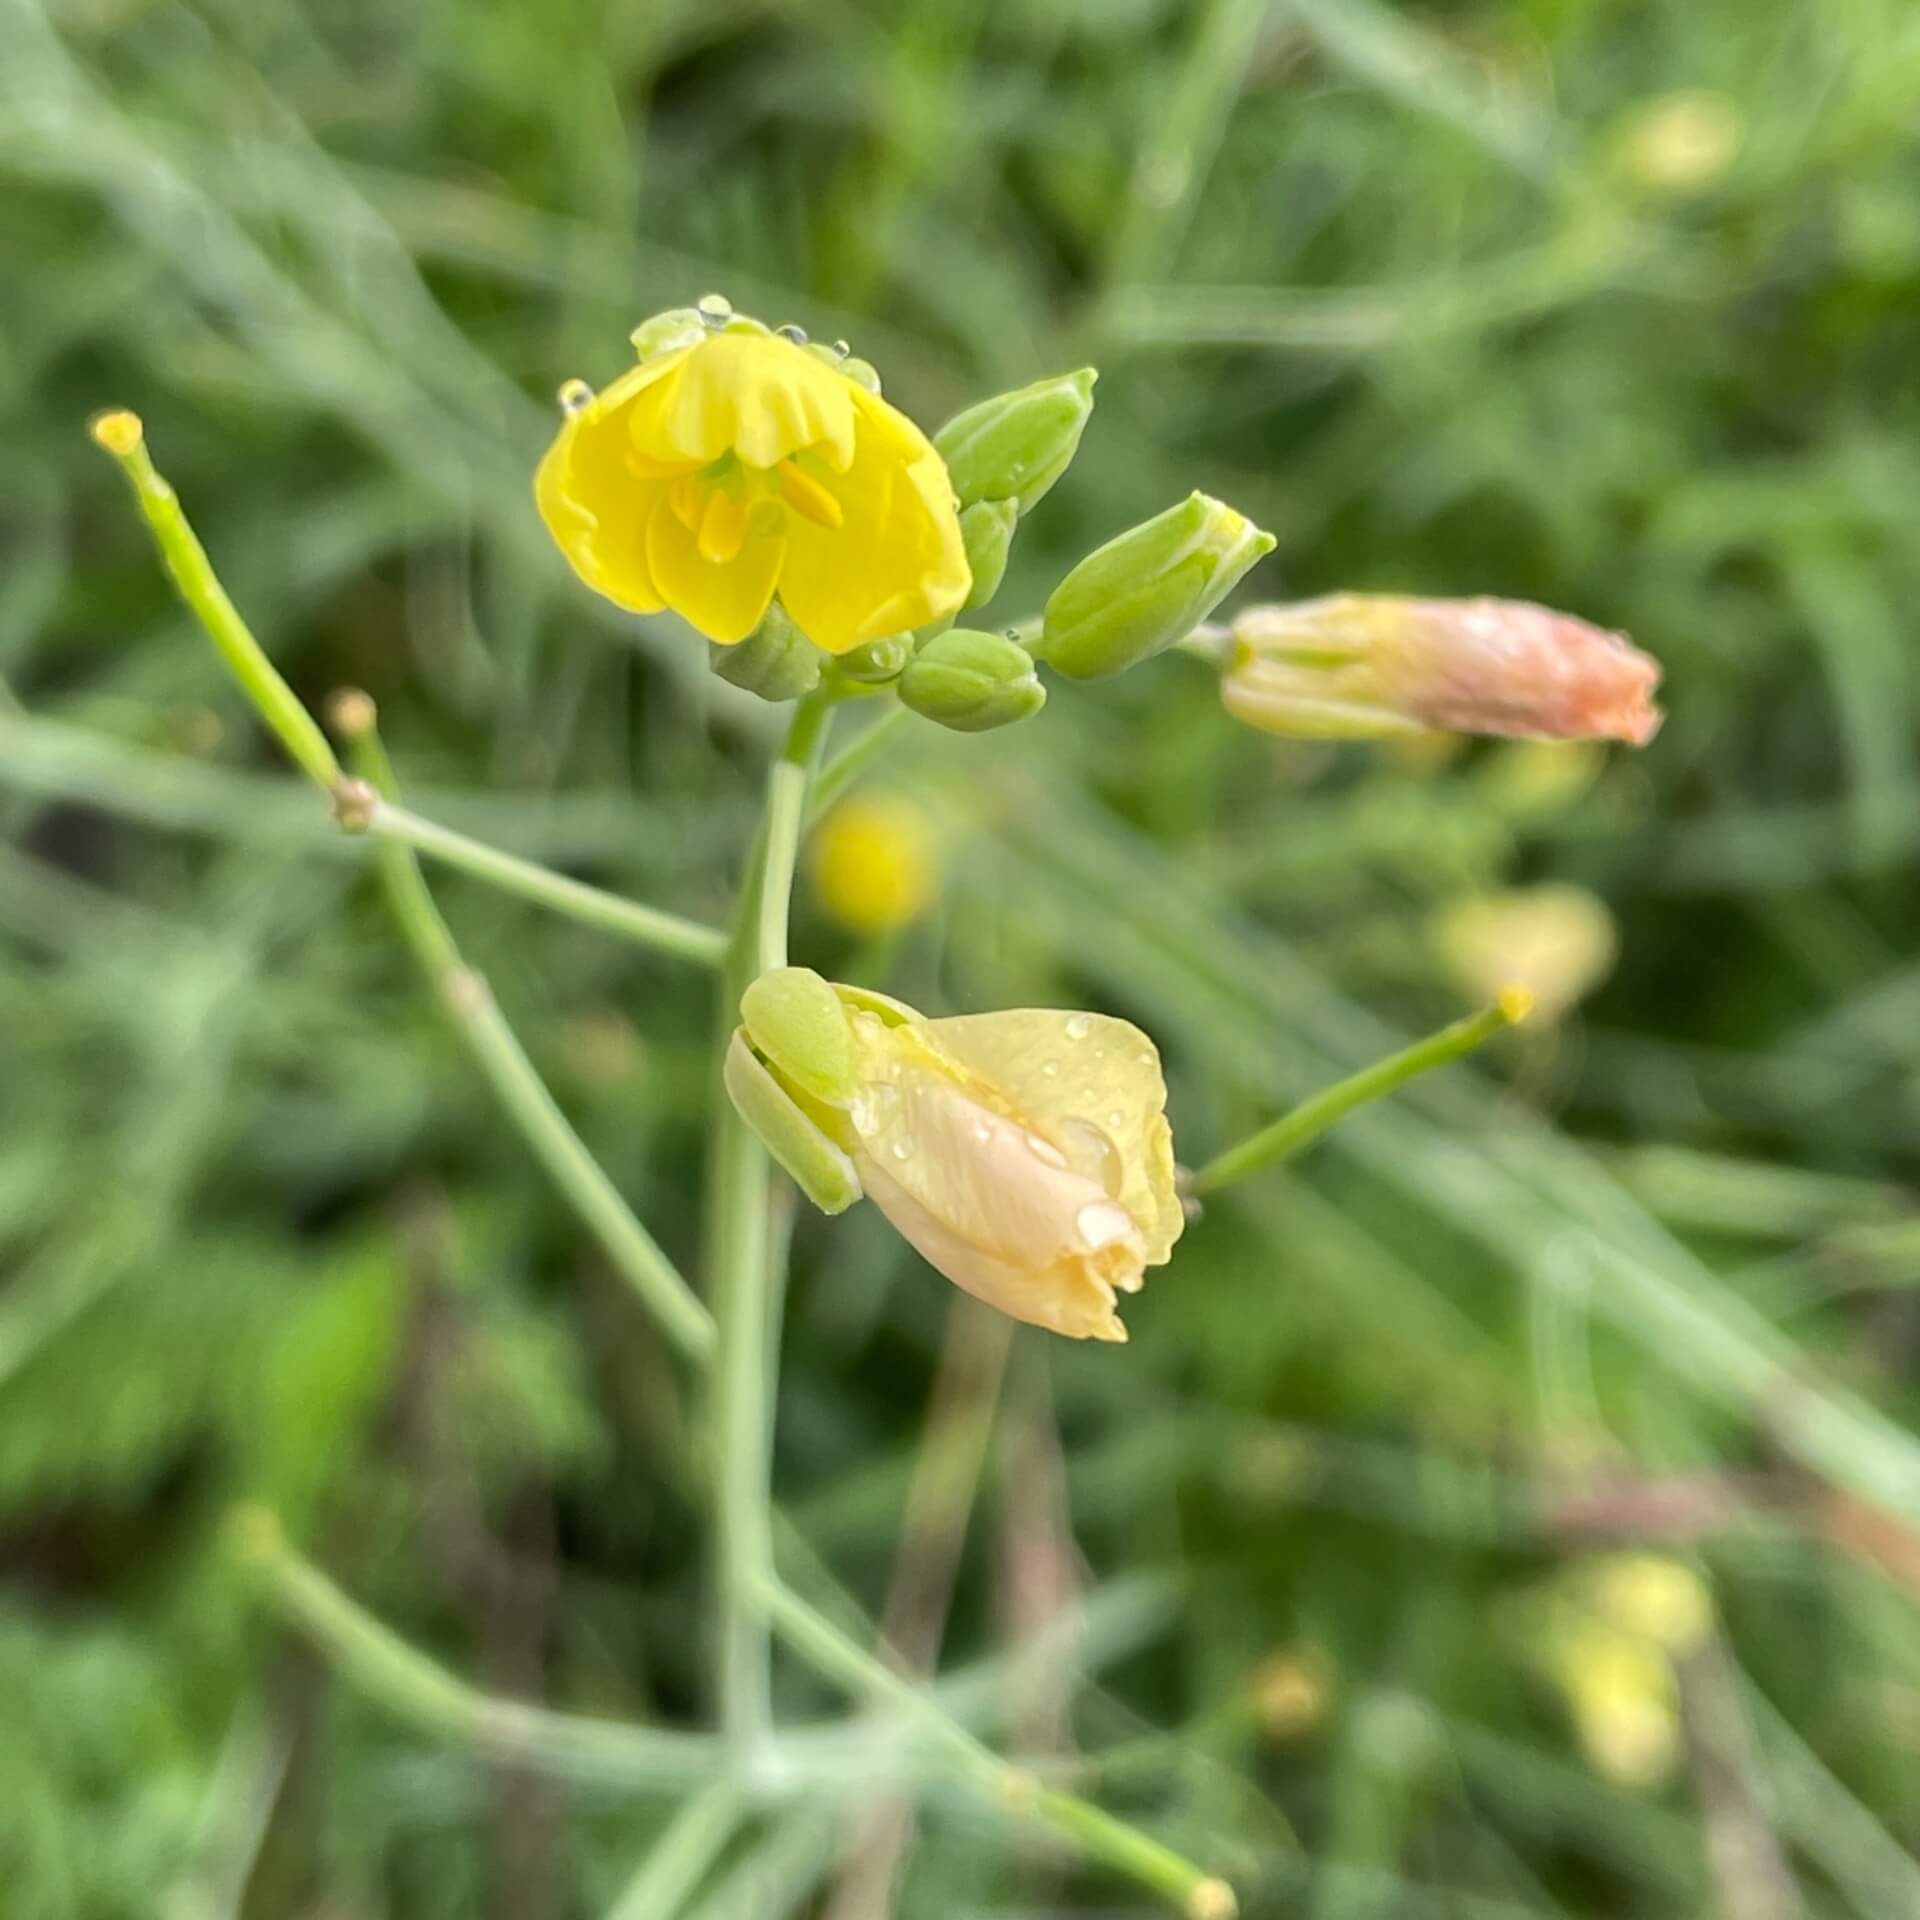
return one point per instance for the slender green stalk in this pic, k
(679, 1859)
(1292, 1131)
(742, 1285)
(665, 932)
(853, 760)
(122, 435)
(1111, 1841)
(418, 1690)
(636, 1255)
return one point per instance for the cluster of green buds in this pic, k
(1138, 595)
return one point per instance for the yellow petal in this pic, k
(752, 394)
(1093, 1086)
(895, 562)
(725, 602)
(594, 505)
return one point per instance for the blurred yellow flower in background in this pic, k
(1625, 1706)
(713, 475)
(875, 863)
(1559, 942)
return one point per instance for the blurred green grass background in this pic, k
(1608, 305)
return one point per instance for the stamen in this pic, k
(808, 498)
(688, 499)
(723, 527)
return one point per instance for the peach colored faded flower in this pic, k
(1024, 1154)
(1372, 666)
(717, 474)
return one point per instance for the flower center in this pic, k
(720, 503)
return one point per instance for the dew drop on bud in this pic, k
(575, 396)
(841, 348)
(797, 335)
(714, 309)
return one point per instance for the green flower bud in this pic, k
(1152, 586)
(972, 681)
(1016, 445)
(987, 529)
(776, 660)
(823, 1171)
(797, 1020)
(878, 663)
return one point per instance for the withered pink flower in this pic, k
(1358, 666)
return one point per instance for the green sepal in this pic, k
(776, 660)
(819, 1169)
(798, 1022)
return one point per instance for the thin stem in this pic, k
(416, 1689)
(121, 434)
(665, 932)
(742, 1284)
(679, 1859)
(1139, 1856)
(1292, 1131)
(853, 760)
(635, 1254)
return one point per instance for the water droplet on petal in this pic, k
(1116, 1118)
(1100, 1223)
(575, 396)
(1044, 1149)
(983, 1131)
(798, 335)
(714, 309)
(1051, 1068)
(841, 348)
(1091, 1152)
(902, 1149)
(1079, 1027)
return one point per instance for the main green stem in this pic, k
(743, 1289)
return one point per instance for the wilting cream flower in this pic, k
(715, 474)
(1357, 666)
(1026, 1154)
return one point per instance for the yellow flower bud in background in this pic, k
(875, 863)
(737, 464)
(1620, 1691)
(1292, 1691)
(1357, 666)
(1025, 1155)
(1558, 942)
(1659, 1598)
(1682, 142)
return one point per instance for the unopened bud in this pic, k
(972, 681)
(776, 660)
(1016, 445)
(1149, 588)
(986, 529)
(1369, 666)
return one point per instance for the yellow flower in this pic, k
(713, 475)
(1024, 1154)
(1557, 941)
(874, 863)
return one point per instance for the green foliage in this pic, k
(1456, 298)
